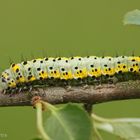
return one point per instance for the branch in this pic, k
(78, 94)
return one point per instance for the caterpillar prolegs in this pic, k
(61, 70)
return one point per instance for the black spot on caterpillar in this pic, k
(74, 71)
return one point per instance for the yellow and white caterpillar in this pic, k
(65, 69)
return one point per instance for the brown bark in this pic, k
(78, 94)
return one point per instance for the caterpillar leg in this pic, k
(115, 80)
(4, 91)
(30, 88)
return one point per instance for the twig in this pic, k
(39, 122)
(88, 108)
(78, 94)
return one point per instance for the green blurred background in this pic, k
(33, 28)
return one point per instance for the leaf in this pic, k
(132, 17)
(125, 128)
(69, 122)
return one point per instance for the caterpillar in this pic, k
(63, 71)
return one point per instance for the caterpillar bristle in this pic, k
(22, 58)
(116, 54)
(133, 53)
(10, 60)
(32, 56)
